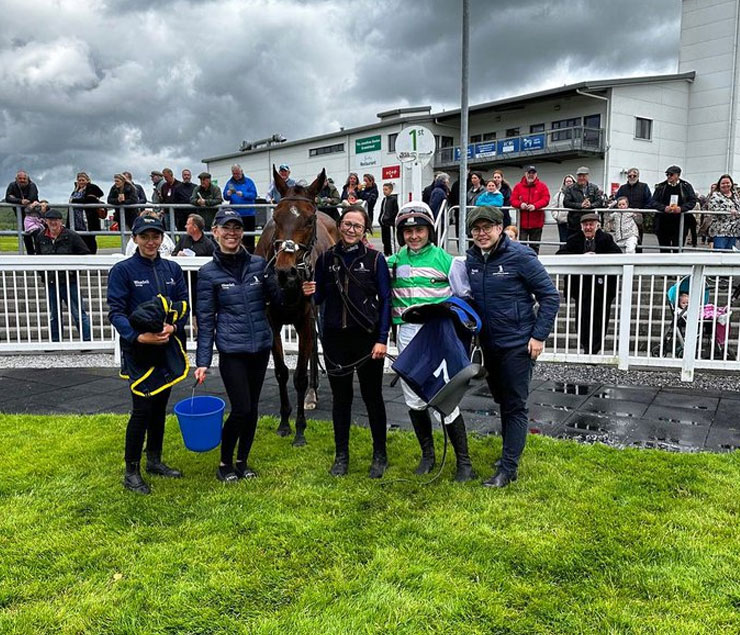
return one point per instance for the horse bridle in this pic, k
(289, 246)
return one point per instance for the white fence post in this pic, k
(696, 297)
(625, 315)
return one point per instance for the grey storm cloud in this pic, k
(103, 86)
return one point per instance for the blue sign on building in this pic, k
(485, 150)
(533, 142)
(508, 146)
(471, 150)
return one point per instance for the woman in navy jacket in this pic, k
(131, 283)
(353, 284)
(231, 307)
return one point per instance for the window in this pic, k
(476, 138)
(643, 128)
(392, 142)
(443, 142)
(536, 127)
(316, 152)
(489, 136)
(568, 133)
(512, 132)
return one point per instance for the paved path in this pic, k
(674, 418)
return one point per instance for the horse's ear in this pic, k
(317, 185)
(279, 181)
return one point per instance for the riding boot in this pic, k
(132, 480)
(341, 464)
(154, 465)
(379, 464)
(422, 422)
(459, 440)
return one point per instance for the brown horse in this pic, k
(291, 242)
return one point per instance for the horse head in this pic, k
(295, 233)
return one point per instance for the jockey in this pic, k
(422, 273)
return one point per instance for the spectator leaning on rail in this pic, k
(273, 196)
(241, 190)
(672, 198)
(558, 215)
(353, 284)
(157, 181)
(506, 279)
(131, 283)
(183, 193)
(140, 193)
(22, 192)
(595, 293)
(232, 291)
(85, 218)
(207, 197)
(724, 229)
(530, 196)
(623, 226)
(57, 240)
(328, 199)
(582, 196)
(123, 192)
(423, 273)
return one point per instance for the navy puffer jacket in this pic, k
(231, 305)
(504, 287)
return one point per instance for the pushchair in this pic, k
(713, 322)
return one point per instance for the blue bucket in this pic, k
(200, 420)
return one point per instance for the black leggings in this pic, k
(344, 346)
(147, 420)
(243, 375)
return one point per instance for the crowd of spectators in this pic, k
(718, 222)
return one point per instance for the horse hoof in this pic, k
(284, 430)
(310, 402)
(299, 441)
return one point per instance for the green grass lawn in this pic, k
(589, 540)
(10, 243)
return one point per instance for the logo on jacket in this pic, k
(140, 283)
(227, 285)
(361, 268)
(256, 281)
(170, 281)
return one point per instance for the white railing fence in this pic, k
(667, 310)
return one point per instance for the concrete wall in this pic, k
(709, 31)
(666, 104)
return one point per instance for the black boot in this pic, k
(379, 465)
(422, 422)
(154, 465)
(341, 464)
(132, 480)
(459, 441)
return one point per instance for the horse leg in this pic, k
(312, 396)
(281, 374)
(300, 380)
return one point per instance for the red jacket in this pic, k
(535, 194)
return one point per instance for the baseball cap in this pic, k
(146, 223)
(591, 216)
(284, 166)
(225, 215)
(583, 170)
(485, 212)
(53, 213)
(530, 168)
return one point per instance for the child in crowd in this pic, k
(623, 226)
(512, 232)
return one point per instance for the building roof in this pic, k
(421, 114)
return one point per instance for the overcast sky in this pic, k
(104, 86)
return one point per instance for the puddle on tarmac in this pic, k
(570, 389)
(684, 421)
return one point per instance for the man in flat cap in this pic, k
(505, 280)
(672, 198)
(207, 197)
(595, 293)
(581, 197)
